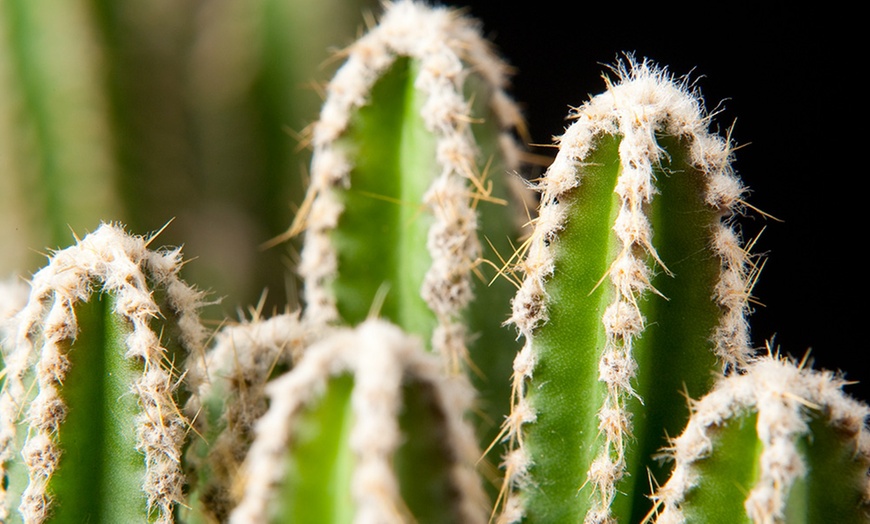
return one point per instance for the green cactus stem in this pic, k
(375, 365)
(634, 286)
(94, 389)
(399, 178)
(778, 443)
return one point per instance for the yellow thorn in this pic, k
(801, 400)
(378, 301)
(299, 223)
(503, 270)
(759, 211)
(156, 233)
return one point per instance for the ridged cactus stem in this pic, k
(778, 443)
(634, 285)
(396, 174)
(380, 359)
(89, 340)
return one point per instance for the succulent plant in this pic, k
(620, 384)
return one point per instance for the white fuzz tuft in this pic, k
(448, 47)
(645, 102)
(109, 261)
(13, 298)
(380, 357)
(782, 395)
(236, 370)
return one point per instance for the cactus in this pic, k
(619, 385)
(615, 332)
(791, 445)
(413, 126)
(91, 392)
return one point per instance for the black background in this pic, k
(789, 80)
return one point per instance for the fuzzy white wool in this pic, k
(13, 297)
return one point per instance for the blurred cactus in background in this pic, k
(149, 112)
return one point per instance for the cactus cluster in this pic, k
(474, 344)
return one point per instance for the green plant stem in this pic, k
(381, 235)
(722, 494)
(564, 438)
(100, 474)
(675, 355)
(317, 488)
(65, 135)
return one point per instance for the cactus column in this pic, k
(409, 190)
(634, 285)
(92, 392)
(778, 443)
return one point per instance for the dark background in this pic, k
(789, 81)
